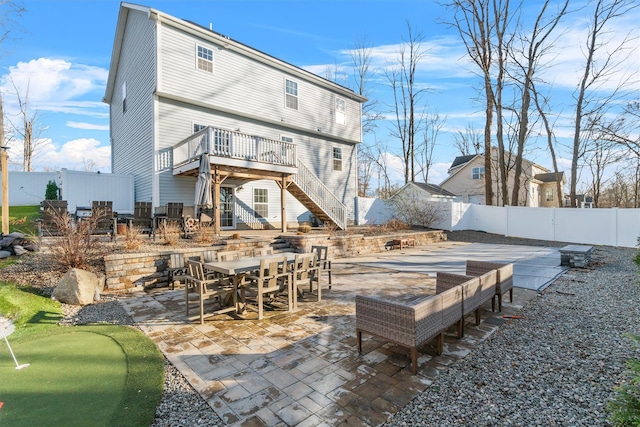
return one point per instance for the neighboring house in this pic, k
(538, 186)
(428, 192)
(280, 141)
(582, 201)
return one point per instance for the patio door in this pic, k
(227, 211)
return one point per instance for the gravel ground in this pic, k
(556, 367)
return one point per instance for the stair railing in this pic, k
(315, 189)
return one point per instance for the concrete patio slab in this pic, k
(302, 367)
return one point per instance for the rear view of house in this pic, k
(280, 141)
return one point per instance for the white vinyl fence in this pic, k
(78, 188)
(608, 227)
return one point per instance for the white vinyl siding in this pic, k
(131, 134)
(254, 88)
(204, 58)
(340, 111)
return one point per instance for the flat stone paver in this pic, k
(302, 367)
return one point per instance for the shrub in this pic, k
(235, 236)
(624, 409)
(204, 234)
(170, 233)
(330, 228)
(76, 247)
(304, 228)
(132, 238)
(51, 192)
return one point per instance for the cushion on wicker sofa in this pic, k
(504, 278)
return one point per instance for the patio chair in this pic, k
(105, 220)
(270, 283)
(143, 218)
(323, 260)
(177, 269)
(53, 211)
(304, 272)
(229, 255)
(216, 291)
(266, 250)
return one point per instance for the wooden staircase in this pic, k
(309, 190)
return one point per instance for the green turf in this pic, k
(98, 375)
(78, 376)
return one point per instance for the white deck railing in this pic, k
(235, 145)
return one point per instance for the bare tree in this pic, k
(432, 124)
(468, 142)
(474, 21)
(624, 129)
(27, 129)
(528, 60)
(588, 102)
(540, 101)
(361, 59)
(406, 95)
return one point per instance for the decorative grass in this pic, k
(86, 375)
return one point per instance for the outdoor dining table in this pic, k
(238, 269)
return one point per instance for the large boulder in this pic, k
(79, 287)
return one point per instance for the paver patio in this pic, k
(302, 367)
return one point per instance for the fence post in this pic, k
(506, 217)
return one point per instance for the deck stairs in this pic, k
(309, 190)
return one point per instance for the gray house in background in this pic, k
(281, 141)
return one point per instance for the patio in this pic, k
(302, 367)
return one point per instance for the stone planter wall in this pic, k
(131, 272)
(134, 271)
(359, 244)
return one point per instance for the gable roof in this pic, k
(460, 160)
(433, 189)
(550, 177)
(207, 34)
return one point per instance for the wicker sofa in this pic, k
(504, 278)
(410, 324)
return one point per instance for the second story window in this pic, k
(477, 173)
(291, 94)
(205, 59)
(549, 194)
(340, 111)
(337, 159)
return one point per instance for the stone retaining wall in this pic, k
(130, 272)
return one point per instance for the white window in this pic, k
(291, 94)
(124, 97)
(205, 59)
(261, 202)
(477, 173)
(340, 111)
(549, 194)
(198, 127)
(337, 159)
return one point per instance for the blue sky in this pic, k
(64, 49)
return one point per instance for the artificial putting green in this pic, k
(98, 375)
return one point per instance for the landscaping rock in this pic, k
(5, 254)
(15, 244)
(78, 287)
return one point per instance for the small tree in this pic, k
(51, 193)
(413, 209)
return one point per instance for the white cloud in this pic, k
(55, 85)
(74, 155)
(89, 126)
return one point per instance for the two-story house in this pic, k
(281, 142)
(538, 186)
